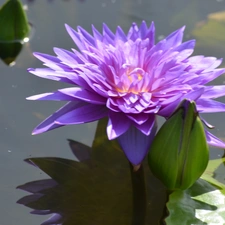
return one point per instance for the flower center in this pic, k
(131, 81)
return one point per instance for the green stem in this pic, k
(165, 210)
(139, 196)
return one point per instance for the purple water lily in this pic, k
(130, 80)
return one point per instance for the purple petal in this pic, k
(84, 95)
(150, 34)
(135, 144)
(149, 126)
(138, 118)
(49, 123)
(213, 140)
(133, 32)
(48, 73)
(75, 37)
(83, 114)
(86, 36)
(214, 91)
(96, 33)
(169, 109)
(175, 38)
(67, 57)
(117, 125)
(120, 35)
(54, 96)
(185, 50)
(55, 219)
(143, 30)
(50, 61)
(205, 78)
(107, 32)
(209, 106)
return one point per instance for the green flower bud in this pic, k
(179, 153)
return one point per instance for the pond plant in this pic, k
(131, 80)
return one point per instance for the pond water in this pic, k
(204, 20)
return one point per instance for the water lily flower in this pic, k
(129, 79)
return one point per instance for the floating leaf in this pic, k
(201, 204)
(212, 217)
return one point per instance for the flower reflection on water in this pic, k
(92, 191)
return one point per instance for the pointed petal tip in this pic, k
(69, 29)
(36, 54)
(37, 131)
(30, 69)
(152, 24)
(67, 26)
(34, 133)
(30, 98)
(135, 144)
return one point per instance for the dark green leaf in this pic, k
(13, 22)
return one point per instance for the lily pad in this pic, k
(204, 202)
(201, 204)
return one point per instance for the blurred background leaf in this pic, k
(14, 28)
(210, 33)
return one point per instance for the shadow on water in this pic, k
(99, 188)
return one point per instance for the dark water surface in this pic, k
(205, 20)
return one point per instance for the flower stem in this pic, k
(139, 196)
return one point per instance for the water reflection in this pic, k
(99, 187)
(95, 189)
